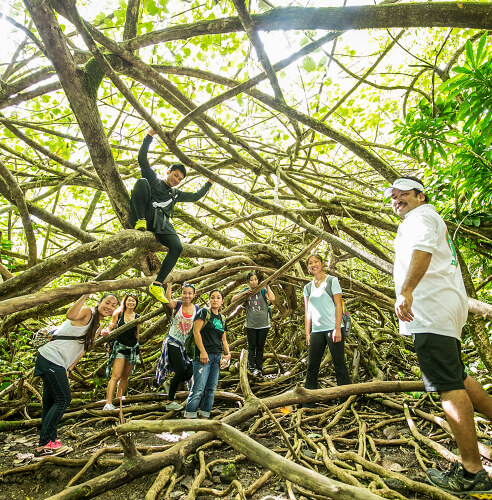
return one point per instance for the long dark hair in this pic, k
(122, 307)
(94, 323)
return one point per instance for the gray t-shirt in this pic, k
(64, 352)
(257, 312)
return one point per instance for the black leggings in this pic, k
(141, 208)
(256, 344)
(56, 397)
(317, 346)
(182, 371)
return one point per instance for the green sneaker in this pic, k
(453, 481)
(173, 406)
(141, 225)
(157, 291)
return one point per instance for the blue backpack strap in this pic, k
(329, 284)
(179, 303)
(263, 294)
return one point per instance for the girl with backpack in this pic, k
(125, 350)
(57, 358)
(209, 332)
(257, 322)
(323, 324)
(173, 356)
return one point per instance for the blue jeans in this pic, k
(205, 378)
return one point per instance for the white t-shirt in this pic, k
(440, 304)
(321, 307)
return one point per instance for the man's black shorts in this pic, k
(440, 362)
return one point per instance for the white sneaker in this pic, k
(166, 386)
(109, 406)
(173, 406)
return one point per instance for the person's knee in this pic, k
(141, 183)
(176, 248)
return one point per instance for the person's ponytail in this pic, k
(92, 328)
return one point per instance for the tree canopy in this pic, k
(301, 115)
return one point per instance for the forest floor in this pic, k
(49, 478)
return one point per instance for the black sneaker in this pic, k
(453, 481)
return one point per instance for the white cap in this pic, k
(403, 185)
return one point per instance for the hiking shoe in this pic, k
(453, 481)
(173, 406)
(141, 225)
(157, 291)
(109, 406)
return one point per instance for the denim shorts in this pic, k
(120, 355)
(440, 362)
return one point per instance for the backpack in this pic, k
(190, 344)
(346, 319)
(45, 335)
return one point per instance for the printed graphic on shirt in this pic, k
(454, 261)
(184, 325)
(218, 324)
(254, 303)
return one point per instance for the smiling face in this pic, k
(187, 294)
(174, 178)
(253, 281)
(216, 300)
(107, 306)
(314, 264)
(130, 302)
(403, 202)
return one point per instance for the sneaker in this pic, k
(52, 449)
(173, 406)
(109, 406)
(141, 225)
(453, 481)
(166, 386)
(157, 291)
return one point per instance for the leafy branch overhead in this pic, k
(301, 115)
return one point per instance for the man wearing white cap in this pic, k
(432, 306)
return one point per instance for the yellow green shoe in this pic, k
(157, 291)
(141, 225)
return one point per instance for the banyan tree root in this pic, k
(295, 473)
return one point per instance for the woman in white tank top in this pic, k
(57, 358)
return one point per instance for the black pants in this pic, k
(141, 208)
(317, 346)
(56, 397)
(256, 344)
(182, 371)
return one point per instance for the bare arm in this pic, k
(270, 295)
(226, 357)
(307, 320)
(79, 314)
(416, 271)
(239, 295)
(197, 326)
(172, 303)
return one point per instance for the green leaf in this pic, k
(308, 64)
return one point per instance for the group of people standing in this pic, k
(431, 305)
